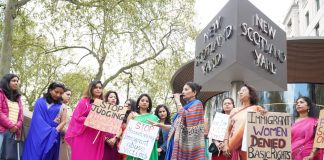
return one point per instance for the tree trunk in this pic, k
(6, 49)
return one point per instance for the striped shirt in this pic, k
(13, 111)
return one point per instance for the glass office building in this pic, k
(275, 101)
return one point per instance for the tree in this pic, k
(120, 35)
(10, 14)
(77, 82)
(37, 70)
(111, 39)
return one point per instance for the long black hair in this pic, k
(12, 95)
(139, 99)
(52, 86)
(168, 118)
(107, 95)
(313, 111)
(132, 104)
(133, 109)
(88, 92)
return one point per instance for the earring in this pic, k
(308, 110)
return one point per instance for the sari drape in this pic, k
(81, 138)
(43, 140)
(237, 122)
(302, 139)
(186, 137)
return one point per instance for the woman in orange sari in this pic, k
(234, 135)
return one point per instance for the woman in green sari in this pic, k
(143, 112)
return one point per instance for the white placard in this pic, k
(138, 139)
(218, 127)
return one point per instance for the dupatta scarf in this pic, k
(186, 136)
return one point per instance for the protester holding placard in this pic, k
(238, 116)
(303, 131)
(144, 107)
(49, 118)
(86, 143)
(65, 151)
(111, 151)
(186, 137)
(131, 107)
(228, 105)
(162, 111)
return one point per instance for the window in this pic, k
(289, 27)
(304, 3)
(317, 4)
(307, 18)
(317, 29)
(289, 24)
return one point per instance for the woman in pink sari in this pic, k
(302, 131)
(80, 137)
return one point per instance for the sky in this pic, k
(206, 10)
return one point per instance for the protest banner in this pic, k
(138, 139)
(319, 136)
(268, 136)
(218, 127)
(105, 117)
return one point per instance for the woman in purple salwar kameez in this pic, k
(302, 131)
(80, 137)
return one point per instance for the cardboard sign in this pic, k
(218, 127)
(138, 139)
(105, 117)
(319, 136)
(268, 136)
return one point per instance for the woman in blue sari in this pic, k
(186, 139)
(49, 116)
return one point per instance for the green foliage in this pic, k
(122, 33)
(36, 69)
(142, 38)
(77, 83)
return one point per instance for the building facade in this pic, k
(304, 25)
(305, 18)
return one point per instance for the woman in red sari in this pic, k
(302, 131)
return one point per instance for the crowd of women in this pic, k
(58, 132)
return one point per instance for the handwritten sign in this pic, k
(105, 117)
(319, 136)
(268, 136)
(138, 139)
(218, 127)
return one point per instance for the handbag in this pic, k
(213, 148)
(11, 147)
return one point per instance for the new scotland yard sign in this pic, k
(241, 44)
